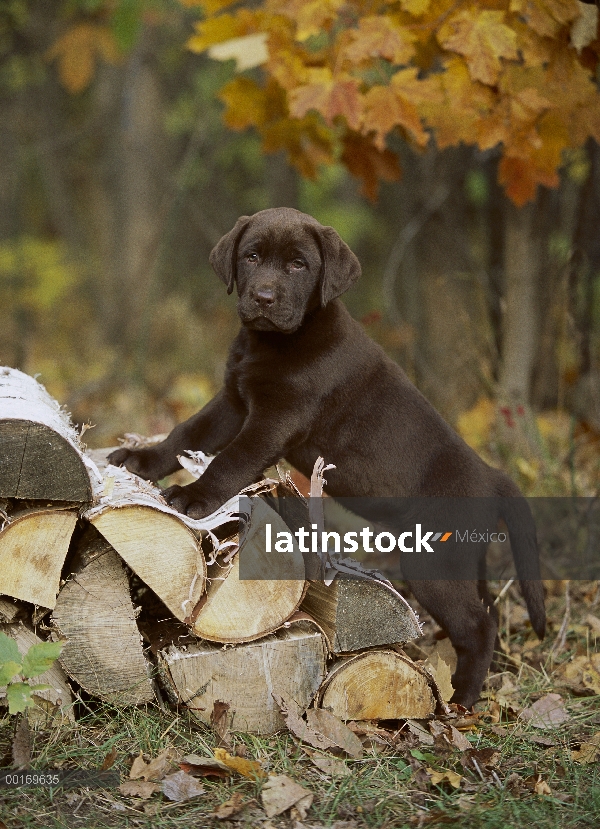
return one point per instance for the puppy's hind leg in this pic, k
(458, 608)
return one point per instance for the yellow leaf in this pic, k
(246, 103)
(77, 51)
(464, 103)
(217, 30)
(247, 768)
(438, 777)
(415, 7)
(483, 38)
(379, 36)
(475, 425)
(588, 751)
(546, 16)
(384, 109)
(310, 17)
(210, 6)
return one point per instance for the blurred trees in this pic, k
(117, 176)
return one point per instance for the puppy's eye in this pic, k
(252, 256)
(297, 264)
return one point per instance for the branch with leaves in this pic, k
(340, 78)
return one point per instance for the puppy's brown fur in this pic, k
(303, 380)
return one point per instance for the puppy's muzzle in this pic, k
(263, 297)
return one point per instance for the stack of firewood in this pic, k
(82, 541)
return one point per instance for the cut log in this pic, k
(57, 697)
(377, 685)
(362, 612)
(33, 547)
(240, 610)
(289, 663)
(150, 537)
(94, 614)
(164, 553)
(41, 453)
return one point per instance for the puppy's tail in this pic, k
(516, 513)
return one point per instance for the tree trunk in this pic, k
(520, 327)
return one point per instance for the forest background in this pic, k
(452, 145)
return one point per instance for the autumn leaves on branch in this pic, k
(339, 78)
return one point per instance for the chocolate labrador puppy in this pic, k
(303, 380)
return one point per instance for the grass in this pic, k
(388, 787)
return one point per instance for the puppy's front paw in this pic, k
(185, 500)
(149, 463)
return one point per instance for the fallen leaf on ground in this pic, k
(437, 777)
(280, 793)
(536, 785)
(233, 806)
(154, 770)
(581, 674)
(480, 760)
(219, 721)
(139, 788)
(247, 768)
(363, 728)
(540, 741)
(458, 740)
(588, 751)
(499, 730)
(420, 732)
(109, 760)
(204, 766)
(327, 764)
(546, 712)
(335, 730)
(298, 727)
(181, 786)
(438, 664)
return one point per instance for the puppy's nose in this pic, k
(264, 297)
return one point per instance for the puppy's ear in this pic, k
(340, 267)
(224, 254)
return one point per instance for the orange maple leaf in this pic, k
(397, 105)
(308, 143)
(465, 104)
(546, 17)
(310, 16)
(331, 96)
(379, 36)
(520, 179)
(483, 38)
(77, 51)
(368, 163)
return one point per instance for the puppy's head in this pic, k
(284, 264)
